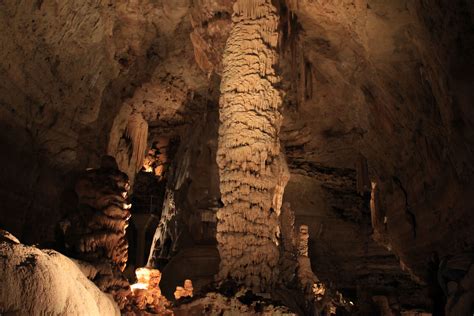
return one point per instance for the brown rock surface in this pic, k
(389, 80)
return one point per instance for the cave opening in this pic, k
(241, 157)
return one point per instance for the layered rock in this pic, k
(95, 231)
(251, 168)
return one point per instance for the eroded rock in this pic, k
(45, 282)
(249, 159)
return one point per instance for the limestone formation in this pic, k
(308, 280)
(251, 168)
(130, 146)
(184, 291)
(218, 304)
(288, 246)
(95, 231)
(303, 237)
(363, 183)
(146, 297)
(166, 234)
(45, 282)
(391, 80)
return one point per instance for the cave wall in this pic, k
(380, 79)
(389, 80)
(66, 69)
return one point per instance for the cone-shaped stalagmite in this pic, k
(253, 173)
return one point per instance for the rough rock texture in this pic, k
(67, 69)
(217, 304)
(146, 298)
(251, 167)
(95, 230)
(384, 79)
(388, 80)
(40, 282)
(211, 26)
(186, 233)
(456, 277)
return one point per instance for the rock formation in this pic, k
(184, 291)
(166, 234)
(45, 282)
(249, 159)
(95, 231)
(218, 304)
(146, 297)
(390, 81)
(456, 278)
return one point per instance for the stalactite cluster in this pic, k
(252, 170)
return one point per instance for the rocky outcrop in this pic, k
(40, 282)
(251, 168)
(456, 277)
(240, 304)
(211, 26)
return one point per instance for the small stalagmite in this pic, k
(184, 291)
(146, 294)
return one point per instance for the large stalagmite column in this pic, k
(252, 171)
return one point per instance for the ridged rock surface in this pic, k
(250, 164)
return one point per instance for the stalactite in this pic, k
(137, 131)
(165, 233)
(308, 80)
(252, 171)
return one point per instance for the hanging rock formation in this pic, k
(252, 170)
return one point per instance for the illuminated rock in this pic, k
(252, 171)
(184, 291)
(45, 282)
(146, 294)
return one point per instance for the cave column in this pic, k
(252, 170)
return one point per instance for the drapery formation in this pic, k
(252, 171)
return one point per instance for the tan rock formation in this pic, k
(250, 165)
(45, 282)
(95, 232)
(146, 297)
(184, 291)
